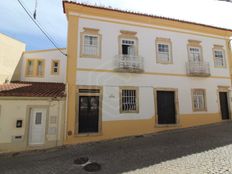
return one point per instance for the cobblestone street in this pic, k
(201, 150)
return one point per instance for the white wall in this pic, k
(48, 56)
(147, 82)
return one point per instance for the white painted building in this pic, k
(151, 73)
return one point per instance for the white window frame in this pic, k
(90, 32)
(134, 45)
(200, 100)
(223, 59)
(135, 100)
(160, 59)
(192, 56)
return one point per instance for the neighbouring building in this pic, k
(131, 73)
(32, 109)
(11, 51)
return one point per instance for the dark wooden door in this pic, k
(166, 107)
(224, 105)
(88, 114)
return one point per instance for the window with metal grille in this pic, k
(219, 60)
(90, 46)
(163, 53)
(129, 100)
(195, 54)
(199, 103)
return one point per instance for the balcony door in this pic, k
(128, 47)
(195, 54)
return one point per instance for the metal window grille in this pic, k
(90, 45)
(219, 58)
(128, 100)
(199, 99)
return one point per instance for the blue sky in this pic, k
(15, 23)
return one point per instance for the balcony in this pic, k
(128, 63)
(198, 69)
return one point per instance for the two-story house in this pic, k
(131, 73)
(32, 108)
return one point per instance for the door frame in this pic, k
(175, 90)
(223, 89)
(100, 95)
(27, 123)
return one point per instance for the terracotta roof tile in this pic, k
(141, 14)
(33, 89)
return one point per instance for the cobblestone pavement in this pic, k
(201, 150)
(218, 161)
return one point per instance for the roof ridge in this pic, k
(140, 14)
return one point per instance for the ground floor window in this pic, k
(128, 99)
(199, 100)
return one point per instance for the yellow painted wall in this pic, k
(11, 51)
(115, 129)
(15, 109)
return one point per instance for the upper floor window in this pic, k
(129, 99)
(55, 67)
(40, 68)
(199, 100)
(195, 51)
(219, 56)
(163, 50)
(35, 67)
(29, 67)
(128, 47)
(90, 43)
(128, 43)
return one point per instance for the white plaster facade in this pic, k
(94, 71)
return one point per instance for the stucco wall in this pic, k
(19, 109)
(155, 75)
(48, 56)
(11, 51)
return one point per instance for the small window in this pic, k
(38, 118)
(129, 100)
(198, 99)
(40, 68)
(219, 58)
(55, 67)
(195, 54)
(128, 47)
(29, 67)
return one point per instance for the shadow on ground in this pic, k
(121, 155)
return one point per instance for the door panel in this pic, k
(37, 126)
(166, 107)
(88, 114)
(224, 105)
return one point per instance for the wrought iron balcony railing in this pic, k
(198, 69)
(128, 63)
